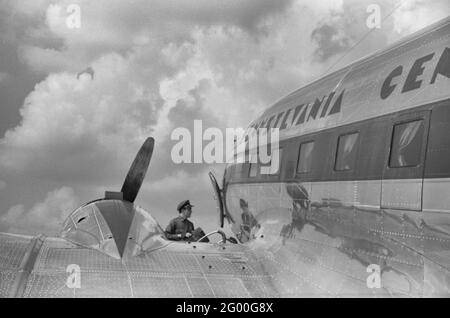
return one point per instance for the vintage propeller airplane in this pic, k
(358, 206)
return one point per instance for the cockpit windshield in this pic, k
(88, 226)
(145, 233)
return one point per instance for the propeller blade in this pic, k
(138, 169)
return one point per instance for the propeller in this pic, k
(138, 169)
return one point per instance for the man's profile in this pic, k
(180, 228)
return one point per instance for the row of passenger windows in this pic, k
(345, 156)
(406, 149)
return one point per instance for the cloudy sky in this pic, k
(158, 65)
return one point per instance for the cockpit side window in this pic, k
(88, 227)
(145, 233)
(84, 228)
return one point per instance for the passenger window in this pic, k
(346, 154)
(305, 157)
(406, 147)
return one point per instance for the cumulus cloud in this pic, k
(337, 33)
(414, 15)
(344, 30)
(70, 123)
(90, 129)
(116, 25)
(330, 41)
(44, 217)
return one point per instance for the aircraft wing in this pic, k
(54, 267)
(14, 250)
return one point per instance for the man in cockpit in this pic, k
(180, 228)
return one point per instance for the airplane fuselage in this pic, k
(360, 204)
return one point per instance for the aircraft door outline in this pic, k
(404, 164)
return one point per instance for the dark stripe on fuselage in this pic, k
(374, 143)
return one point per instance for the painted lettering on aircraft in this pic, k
(331, 104)
(443, 66)
(327, 104)
(414, 79)
(284, 122)
(299, 115)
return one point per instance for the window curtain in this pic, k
(349, 144)
(406, 138)
(305, 159)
